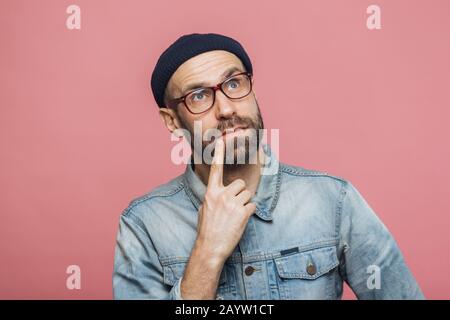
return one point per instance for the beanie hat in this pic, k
(185, 48)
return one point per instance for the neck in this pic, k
(250, 173)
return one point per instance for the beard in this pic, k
(241, 149)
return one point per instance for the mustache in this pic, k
(235, 121)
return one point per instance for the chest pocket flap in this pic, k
(308, 264)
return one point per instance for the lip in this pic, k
(233, 131)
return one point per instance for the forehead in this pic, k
(206, 68)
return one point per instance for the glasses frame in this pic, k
(174, 102)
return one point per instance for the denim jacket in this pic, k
(311, 231)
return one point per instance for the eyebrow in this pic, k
(197, 85)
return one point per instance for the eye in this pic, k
(233, 84)
(199, 95)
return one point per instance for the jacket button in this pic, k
(249, 270)
(311, 269)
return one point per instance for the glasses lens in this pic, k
(200, 100)
(237, 87)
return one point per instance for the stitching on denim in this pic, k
(189, 193)
(247, 258)
(308, 173)
(304, 275)
(307, 276)
(137, 223)
(277, 192)
(340, 204)
(150, 196)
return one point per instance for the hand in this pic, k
(225, 211)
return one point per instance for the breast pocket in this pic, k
(307, 274)
(174, 271)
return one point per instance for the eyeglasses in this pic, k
(202, 99)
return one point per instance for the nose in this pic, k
(225, 108)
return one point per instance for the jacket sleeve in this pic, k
(138, 273)
(371, 263)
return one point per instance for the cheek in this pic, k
(209, 129)
(249, 103)
(185, 118)
(249, 109)
(195, 124)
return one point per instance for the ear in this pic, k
(253, 87)
(169, 118)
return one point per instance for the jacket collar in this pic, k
(266, 196)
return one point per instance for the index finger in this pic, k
(216, 170)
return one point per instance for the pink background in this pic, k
(80, 136)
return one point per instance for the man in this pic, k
(226, 230)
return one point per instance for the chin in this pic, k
(240, 153)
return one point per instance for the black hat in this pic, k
(185, 48)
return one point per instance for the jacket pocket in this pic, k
(306, 275)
